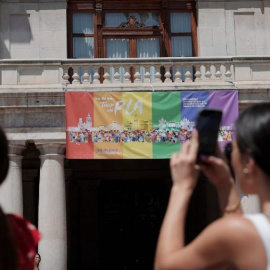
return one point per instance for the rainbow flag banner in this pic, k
(140, 125)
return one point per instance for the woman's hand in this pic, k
(218, 172)
(184, 172)
(216, 169)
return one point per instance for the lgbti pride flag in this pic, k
(140, 125)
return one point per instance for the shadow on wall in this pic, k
(4, 53)
(20, 35)
(16, 34)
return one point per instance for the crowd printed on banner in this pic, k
(155, 136)
(164, 131)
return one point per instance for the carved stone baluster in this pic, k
(127, 77)
(96, 76)
(188, 74)
(218, 74)
(208, 73)
(178, 75)
(167, 74)
(157, 74)
(86, 75)
(65, 76)
(137, 74)
(116, 74)
(76, 76)
(198, 74)
(106, 75)
(147, 74)
(228, 73)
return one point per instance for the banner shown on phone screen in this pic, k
(140, 125)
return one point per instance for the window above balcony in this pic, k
(131, 29)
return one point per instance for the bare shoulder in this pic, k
(230, 224)
(229, 243)
(231, 229)
(241, 242)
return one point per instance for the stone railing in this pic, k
(153, 70)
(132, 73)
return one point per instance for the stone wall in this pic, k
(228, 28)
(33, 29)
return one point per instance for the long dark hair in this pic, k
(39, 258)
(253, 134)
(4, 160)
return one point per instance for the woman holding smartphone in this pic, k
(235, 241)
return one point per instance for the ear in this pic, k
(250, 170)
(251, 165)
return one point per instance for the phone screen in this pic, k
(207, 124)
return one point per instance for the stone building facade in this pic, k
(90, 211)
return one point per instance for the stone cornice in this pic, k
(36, 134)
(51, 149)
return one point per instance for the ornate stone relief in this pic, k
(131, 23)
(98, 6)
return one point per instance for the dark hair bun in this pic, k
(253, 133)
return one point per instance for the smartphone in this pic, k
(207, 124)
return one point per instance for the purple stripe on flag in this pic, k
(227, 101)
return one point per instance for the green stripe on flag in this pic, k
(166, 110)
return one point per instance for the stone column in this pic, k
(52, 208)
(11, 190)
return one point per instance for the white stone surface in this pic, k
(242, 72)
(211, 29)
(245, 34)
(31, 74)
(267, 23)
(52, 208)
(260, 73)
(9, 75)
(245, 25)
(46, 53)
(230, 43)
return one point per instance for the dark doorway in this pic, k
(115, 209)
(131, 213)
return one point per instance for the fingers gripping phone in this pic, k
(207, 124)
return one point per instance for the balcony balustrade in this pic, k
(137, 73)
(147, 71)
